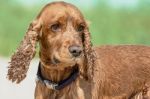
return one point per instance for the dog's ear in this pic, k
(89, 55)
(21, 59)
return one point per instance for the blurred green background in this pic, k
(111, 21)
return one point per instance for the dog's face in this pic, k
(61, 38)
(64, 41)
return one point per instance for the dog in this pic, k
(66, 55)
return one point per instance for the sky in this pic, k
(87, 3)
(123, 3)
(80, 2)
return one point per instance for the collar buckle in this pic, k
(50, 85)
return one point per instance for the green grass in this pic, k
(108, 26)
(14, 21)
(124, 26)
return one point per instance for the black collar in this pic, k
(57, 86)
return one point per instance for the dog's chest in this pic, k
(63, 95)
(71, 93)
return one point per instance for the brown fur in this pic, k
(54, 44)
(121, 72)
(109, 72)
(20, 61)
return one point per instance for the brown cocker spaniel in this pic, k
(109, 72)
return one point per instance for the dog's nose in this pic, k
(75, 50)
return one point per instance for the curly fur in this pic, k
(89, 55)
(21, 59)
(106, 69)
(50, 45)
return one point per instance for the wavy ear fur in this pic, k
(21, 59)
(89, 55)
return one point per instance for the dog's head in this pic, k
(64, 41)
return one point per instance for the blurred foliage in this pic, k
(108, 25)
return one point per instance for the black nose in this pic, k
(75, 50)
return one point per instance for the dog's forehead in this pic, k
(58, 10)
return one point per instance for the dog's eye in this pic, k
(56, 27)
(80, 28)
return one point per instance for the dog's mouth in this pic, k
(55, 60)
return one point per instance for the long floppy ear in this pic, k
(21, 59)
(89, 55)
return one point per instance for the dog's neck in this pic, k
(56, 75)
(69, 92)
